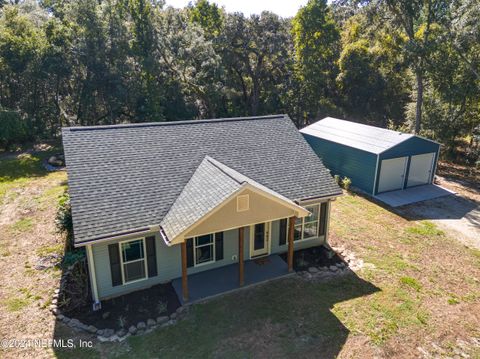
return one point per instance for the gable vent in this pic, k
(243, 203)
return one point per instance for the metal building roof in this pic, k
(367, 138)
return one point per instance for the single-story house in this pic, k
(154, 202)
(375, 159)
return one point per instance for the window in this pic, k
(133, 260)
(308, 227)
(204, 249)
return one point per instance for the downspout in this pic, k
(93, 278)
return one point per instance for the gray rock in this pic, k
(107, 333)
(141, 332)
(313, 270)
(340, 265)
(120, 333)
(163, 319)
(151, 322)
(60, 317)
(105, 315)
(141, 326)
(132, 329)
(333, 268)
(181, 310)
(74, 323)
(100, 332)
(173, 316)
(66, 320)
(92, 329)
(83, 327)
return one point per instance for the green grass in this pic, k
(16, 304)
(22, 225)
(53, 249)
(425, 228)
(17, 172)
(411, 282)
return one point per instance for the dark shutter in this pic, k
(115, 269)
(283, 232)
(323, 218)
(151, 256)
(189, 252)
(219, 246)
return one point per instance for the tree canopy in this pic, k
(407, 64)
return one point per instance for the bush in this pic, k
(64, 220)
(346, 183)
(337, 179)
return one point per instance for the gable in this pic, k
(262, 208)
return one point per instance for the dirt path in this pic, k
(27, 232)
(457, 214)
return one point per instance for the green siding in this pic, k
(169, 260)
(342, 160)
(410, 147)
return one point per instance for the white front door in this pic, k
(421, 168)
(392, 174)
(259, 239)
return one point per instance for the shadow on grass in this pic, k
(284, 318)
(24, 165)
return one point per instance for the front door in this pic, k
(259, 239)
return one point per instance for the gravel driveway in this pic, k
(454, 213)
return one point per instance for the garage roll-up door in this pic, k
(392, 174)
(420, 171)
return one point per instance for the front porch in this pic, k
(225, 279)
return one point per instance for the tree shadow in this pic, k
(28, 164)
(286, 317)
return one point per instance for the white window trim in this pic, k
(302, 225)
(136, 260)
(204, 245)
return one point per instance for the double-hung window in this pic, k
(204, 249)
(132, 254)
(313, 225)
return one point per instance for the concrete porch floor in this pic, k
(412, 195)
(221, 280)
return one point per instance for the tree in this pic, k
(316, 39)
(418, 18)
(209, 16)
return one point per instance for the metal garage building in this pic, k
(376, 159)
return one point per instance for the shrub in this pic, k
(161, 307)
(64, 220)
(337, 179)
(346, 183)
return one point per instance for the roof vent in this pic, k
(243, 203)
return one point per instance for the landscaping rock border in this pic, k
(107, 334)
(110, 335)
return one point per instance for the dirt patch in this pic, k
(129, 309)
(313, 257)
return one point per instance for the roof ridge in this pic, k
(216, 163)
(172, 123)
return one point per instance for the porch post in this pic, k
(291, 227)
(241, 264)
(184, 272)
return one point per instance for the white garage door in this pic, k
(392, 174)
(421, 167)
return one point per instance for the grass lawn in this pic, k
(418, 295)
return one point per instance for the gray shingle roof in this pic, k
(128, 176)
(367, 138)
(211, 184)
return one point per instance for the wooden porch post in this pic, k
(290, 242)
(184, 272)
(241, 264)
